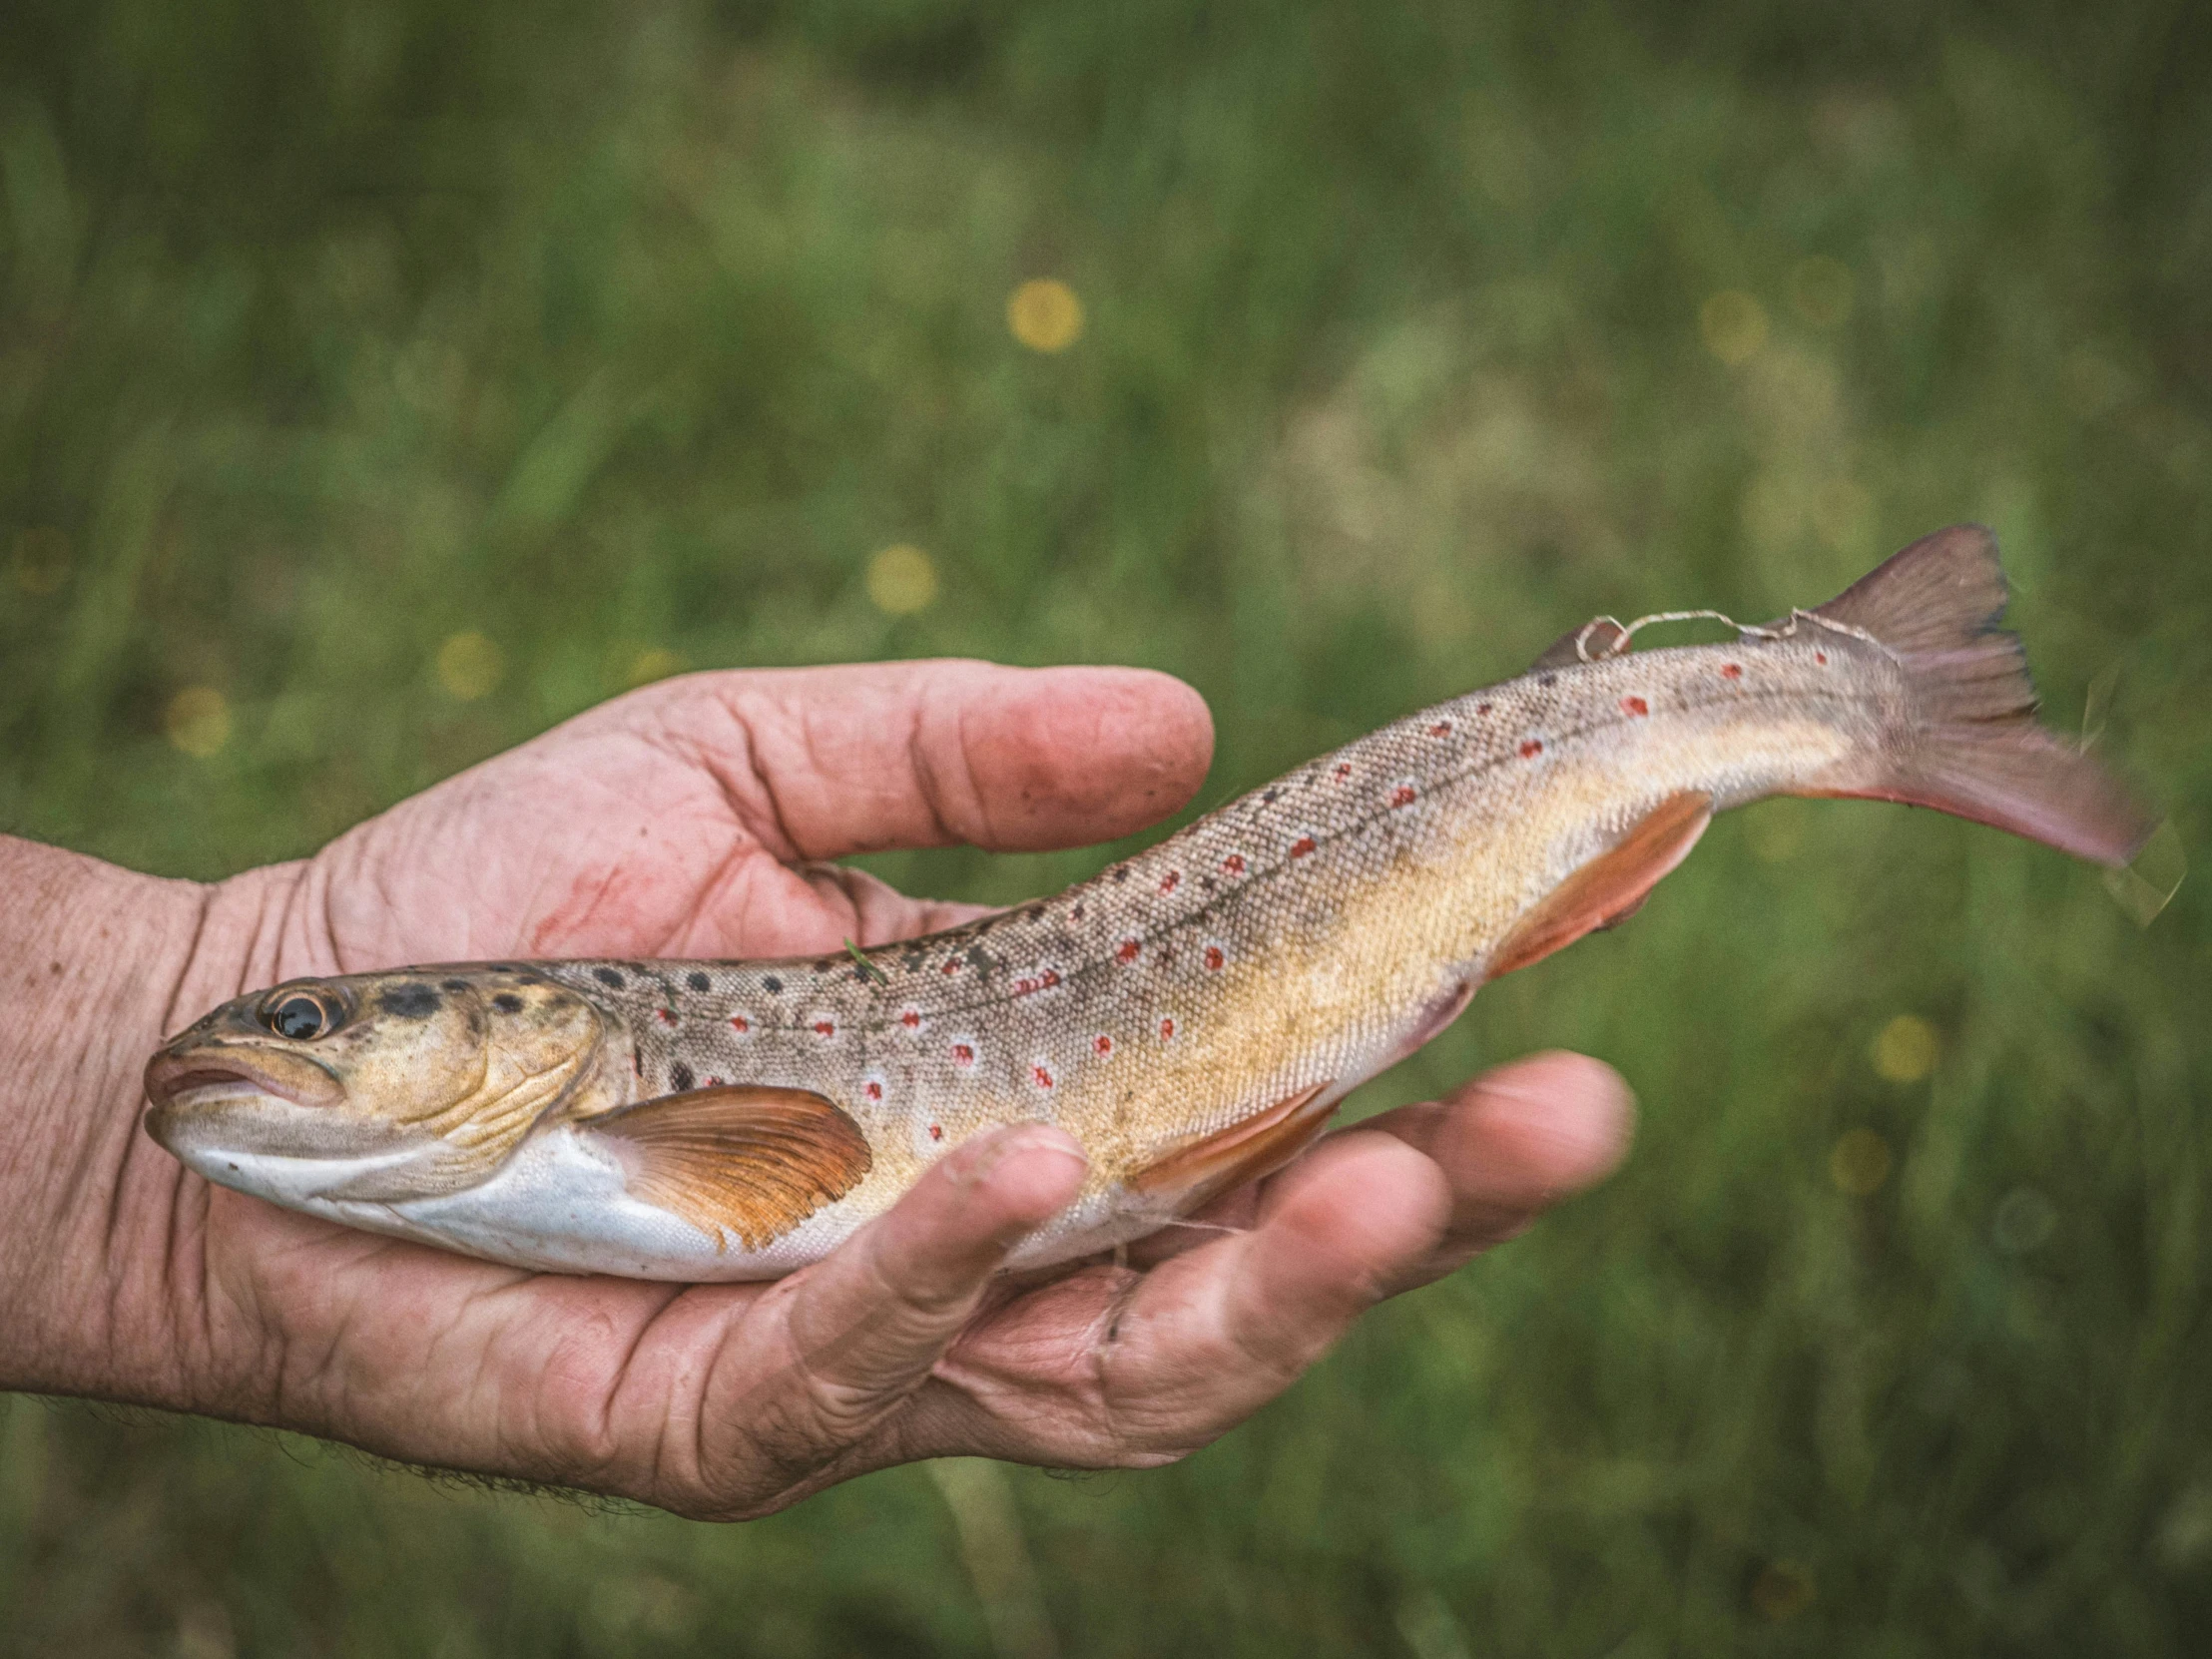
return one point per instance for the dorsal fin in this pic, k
(743, 1158)
(1610, 886)
(1204, 1168)
(1584, 643)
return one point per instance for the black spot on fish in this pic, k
(453, 984)
(772, 984)
(1548, 680)
(1206, 882)
(681, 1076)
(410, 1001)
(911, 962)
(696, 981)
(507, 1002)
(502, 968)
(1121, 873)
(1076, 914)
(1268, 798)
(825, 964)
(608, 977)
(1036, 913)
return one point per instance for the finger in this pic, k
(1209, 1336)
(865, 1324)
(819, 763)
(1518, 1138)
(873, 911)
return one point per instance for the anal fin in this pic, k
(743, 1158)
(1194, 1174)
(1610, 888)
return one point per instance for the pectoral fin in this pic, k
(1610, 888)
(1189, 1176)
(742, 1159)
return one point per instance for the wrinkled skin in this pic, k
(688, 820)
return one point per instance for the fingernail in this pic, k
(974, 1162)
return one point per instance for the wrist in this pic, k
(103, 1289)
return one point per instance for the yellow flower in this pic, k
(1046, 314)
(901, 580)
(197, 721)
(1734, 326)
(470, 666)
(1904, 1051)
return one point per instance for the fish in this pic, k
(1191, 1015)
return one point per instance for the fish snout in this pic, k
(181, 1073)
(215, 1093)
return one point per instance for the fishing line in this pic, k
(1626, 630)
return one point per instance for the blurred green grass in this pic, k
(625, 338)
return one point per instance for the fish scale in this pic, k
(1191, 1014)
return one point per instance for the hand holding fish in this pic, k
(688, 821)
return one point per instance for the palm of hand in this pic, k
(687, 821)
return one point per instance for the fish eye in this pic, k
(300, 1016)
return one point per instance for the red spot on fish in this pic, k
(1213, 959)
(826, 1027)
(1302, 845)
(1104, 1044)
(1233, 863)
(1636, 705)
(1530, 749)
(738, 1022)
(937, 1131)
(1167, 1029)
(1043, 1077)
(911, 1020)
(1051, 978)
(1481, 708)
(1169, 881)
(1732, 671)
(668, 1016)
(714, 1083)
(874, 1091)
(1821, 657)
(1442, 729)
(1402, 796)
(963, 1054)
(952, 967)
(1128, 952)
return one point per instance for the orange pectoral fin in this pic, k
(1610, 886)
(743, 1159)
(1192, 1175)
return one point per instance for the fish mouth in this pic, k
(213, 1102)
(179, 1079)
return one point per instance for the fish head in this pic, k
(375, 1087)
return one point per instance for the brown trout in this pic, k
(1191, 1015)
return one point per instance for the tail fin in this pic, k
(1970, 744)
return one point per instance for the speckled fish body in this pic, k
(1190, 1015)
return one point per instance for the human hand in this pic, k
(690, 819)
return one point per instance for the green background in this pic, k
(626, 335)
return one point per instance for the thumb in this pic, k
(870, 1319)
